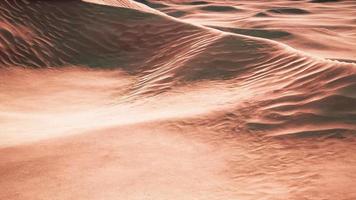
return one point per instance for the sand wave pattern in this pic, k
(115, 99)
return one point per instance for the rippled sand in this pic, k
(114, 99)
(324, 28)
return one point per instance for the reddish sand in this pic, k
(112, 99)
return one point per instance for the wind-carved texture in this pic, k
(82, 34)
(164, 54)
(163, 67)
(322, 28)
(294, 94)
(205, 110)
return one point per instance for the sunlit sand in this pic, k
(186, 100)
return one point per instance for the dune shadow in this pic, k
(262, 33)
(290, 11)
(213, 8)
(152, 5)
(83, 34)
(193, 3)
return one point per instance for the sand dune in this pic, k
(116, 100)
(321, 28)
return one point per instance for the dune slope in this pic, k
(115, 100)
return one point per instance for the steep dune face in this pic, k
(82, 34)
(322, 28)
(114, 100)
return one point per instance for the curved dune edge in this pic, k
(146, 107)
(124, 4)
(323, 29)
(179, 59)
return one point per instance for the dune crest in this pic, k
(104, 99)
(124, 4)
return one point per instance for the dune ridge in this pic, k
(112, 99)
(322, 28)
